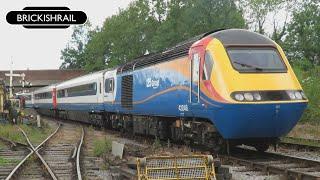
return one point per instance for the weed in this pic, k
(156, 144)
(101, 147)
(4, 161)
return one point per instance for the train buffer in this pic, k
(176, 167)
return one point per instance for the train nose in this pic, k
(257, 120)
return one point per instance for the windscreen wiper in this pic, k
(249, 65)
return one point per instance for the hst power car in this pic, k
(224, 87)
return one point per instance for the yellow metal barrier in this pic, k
(177, 167)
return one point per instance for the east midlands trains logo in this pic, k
(46, 17)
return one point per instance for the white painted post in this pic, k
(38, 121)
(11, 78)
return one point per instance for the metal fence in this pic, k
(177, 167)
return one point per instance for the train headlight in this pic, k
(298, 95)
(248, 96)
(239, 97)
(291, 95)
(257, 96)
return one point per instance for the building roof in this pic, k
(39, 78)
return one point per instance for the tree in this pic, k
(188, 18)
(123, 36)
(72, 55)
(304, 33)
(258, 10)
(149, 26)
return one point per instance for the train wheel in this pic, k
(219, 145)
(261, 147)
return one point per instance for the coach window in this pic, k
(109, 85)
(83, 90)
(61, 93)
(208, 65)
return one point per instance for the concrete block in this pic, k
(117, 149)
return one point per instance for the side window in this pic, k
(195, 67)
(83, 90)
(208, 65)
(109, 85)
(61, 93)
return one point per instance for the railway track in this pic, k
(61, 152)
(92, 164)
(300, 144)
(57, 157)
(272, 163)
(266, 163)
(11, 153)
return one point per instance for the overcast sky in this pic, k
(40, 49)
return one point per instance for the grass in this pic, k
(35, 134)
(4, 161)
(101, 147)
(306, 130)
(11, 132)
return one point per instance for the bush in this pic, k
(309, 77)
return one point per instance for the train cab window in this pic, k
(208, 65)
(256, 59)
(109, 85)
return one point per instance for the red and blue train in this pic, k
(224, 87)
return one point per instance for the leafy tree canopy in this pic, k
(304, 33)
(148, 26)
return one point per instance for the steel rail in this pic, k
(33, 150)
(275, 169)
(12, 143)
(287, 142)
(78, 156)
(53, 176)
(302, 139)
(19, 165)
(299, 146)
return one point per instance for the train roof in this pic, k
(83, 79)
(226, 36)
(80, 79)
(177, 51)
(241, 37)
(45, 89)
